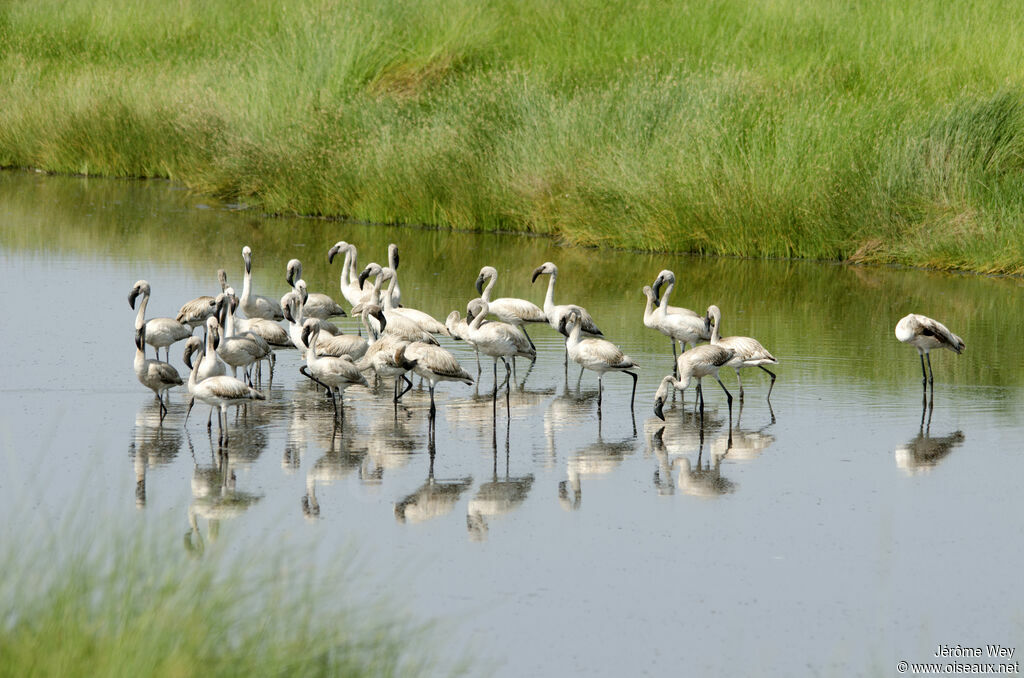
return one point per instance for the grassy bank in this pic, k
(875, 131)
(137, 608)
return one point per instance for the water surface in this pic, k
(843, 528)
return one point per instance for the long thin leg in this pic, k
(600, 388)
(163, 408)
(924, 375)
(433, 408)
(675, 359)
(728, 397)
(407, 388)
(495, 391)
(931, 375)
(508, 373)
(523, 328)
(191, 402)
(740, 382)
(772, 385)
(632, 397)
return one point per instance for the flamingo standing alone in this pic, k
(926, 334)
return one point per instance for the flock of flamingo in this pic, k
(400, 339)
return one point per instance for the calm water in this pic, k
(835, 536)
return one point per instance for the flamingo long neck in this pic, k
(140, 359)
(478, 320)
(574, 335)
(649, 309)
(549, 298)
(486, 295)
(346, 277)
(313, 355)
(715, 333)
(246, 288)
(663, 304)
(373, 337)
(140, 317)
(211, 352)
(353, 264)
(193, 376)
(386, 301)
(229, 322)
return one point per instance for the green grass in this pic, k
(132, 607)
(878, 131)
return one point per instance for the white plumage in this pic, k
(748, 351)
(155, 375)
(160, 332)
(315, 304)
(253, 305)
(703, 361)
(597, 355)
(926, 334)
(511, 310)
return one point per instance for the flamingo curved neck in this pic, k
(353, 270)
(549, 298)
(246, 288)
(346, 277)
(649, 310)
(715, 334)
(486, 295)
(140, 317)
(663, 304)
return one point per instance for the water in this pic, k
(845, 528)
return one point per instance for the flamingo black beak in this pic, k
(287, 310)
(331, 253)
(363, 276)
(306, 331)
(133, 296)
(659, 403)
(248, 263)
(379, 315)
(536, 272)
(291, 276)
(656, 287)
(216, 339)
(480, 284)
(396, 259)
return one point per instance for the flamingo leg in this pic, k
(772, 375)
(931, 375)
(924, 375)
(632, 397)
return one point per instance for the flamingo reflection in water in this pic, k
(924, 452)
(672, 442)
(215, 496)
(598, 458)
(434, 498)
(152, 445)
(499, 496)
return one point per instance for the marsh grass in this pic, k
(877, 132)
(132, 607)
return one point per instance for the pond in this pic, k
(844, 527)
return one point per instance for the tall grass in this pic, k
(875, 131)
(137, 608)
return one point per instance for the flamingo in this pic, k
(160, 332)
(598, 355)
(254, 305)
(315, 304)
(749, 352)
(926, 334)
(155, 375)
(509, 310)
(703, 361)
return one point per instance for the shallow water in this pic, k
(844, 528)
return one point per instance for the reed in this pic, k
(874, 132)
(132, 607)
